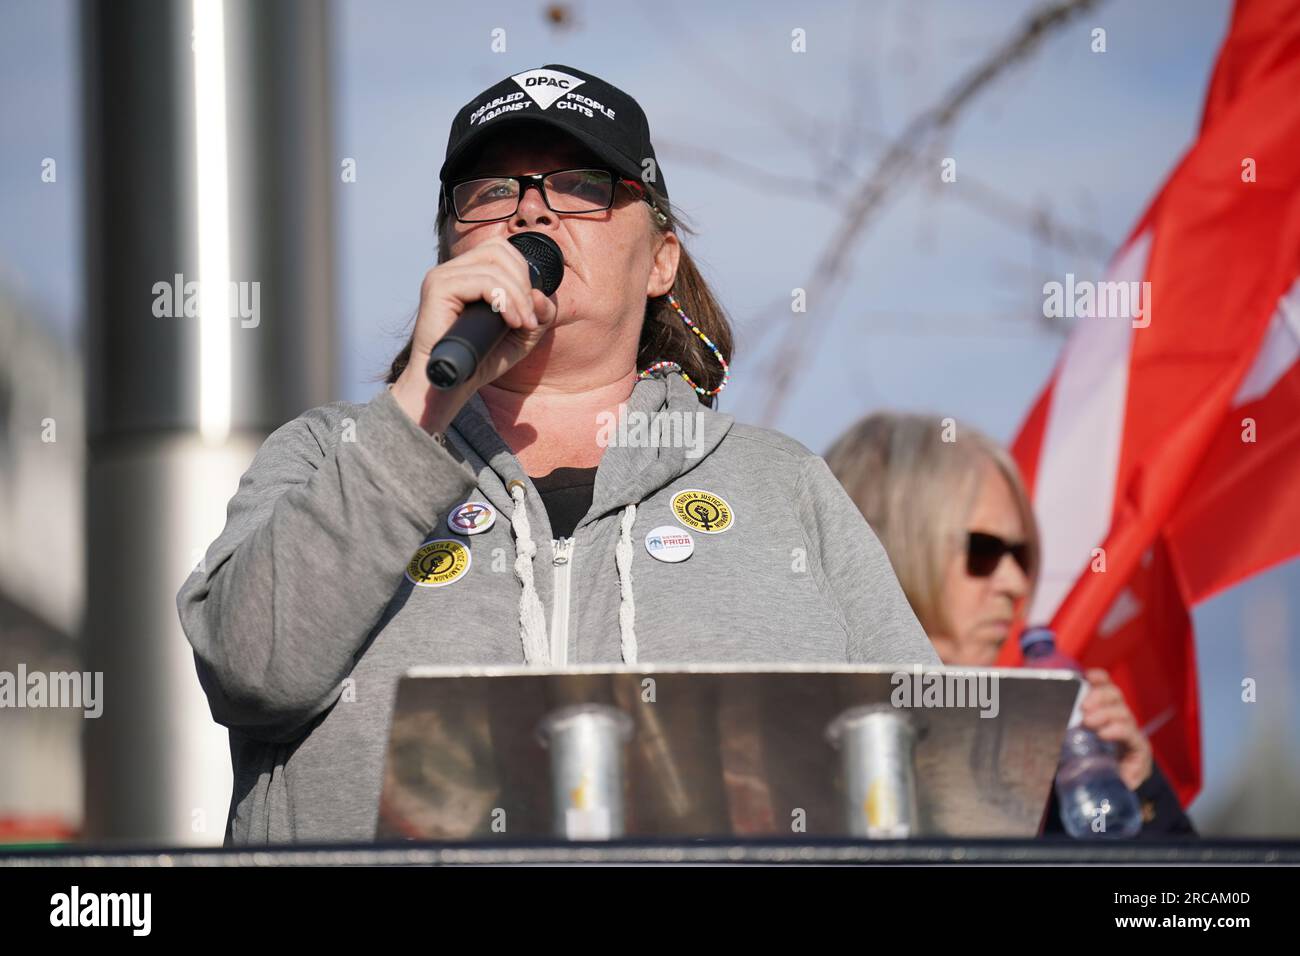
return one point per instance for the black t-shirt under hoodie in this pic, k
(566, 493)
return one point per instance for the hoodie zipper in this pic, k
(560, 615)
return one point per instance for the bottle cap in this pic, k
(1036, 635)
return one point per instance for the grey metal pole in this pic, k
(209, 323)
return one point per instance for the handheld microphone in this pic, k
(479, 328)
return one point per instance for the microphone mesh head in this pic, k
(545, 261)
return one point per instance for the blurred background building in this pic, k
(42, 464)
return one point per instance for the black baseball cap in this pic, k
(597, 114)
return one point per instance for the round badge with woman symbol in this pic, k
(702, 511)
(438, 563)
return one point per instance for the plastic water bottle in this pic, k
(1094, 802)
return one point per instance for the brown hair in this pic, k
(915, 479)
(664, 336)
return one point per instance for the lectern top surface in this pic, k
(721, 750)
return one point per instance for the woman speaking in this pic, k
(576, 500)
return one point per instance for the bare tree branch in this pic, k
(997, 205)
(974, 192)
(870, 196)
(799, 125)
(801, 187)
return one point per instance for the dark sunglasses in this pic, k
(984, 553)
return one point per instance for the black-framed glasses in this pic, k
(984, 552)
(568, 191)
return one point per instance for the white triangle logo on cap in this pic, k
(546, 86)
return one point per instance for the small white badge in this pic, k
(473, 517)
(670, 544)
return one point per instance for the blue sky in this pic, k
(940, 311)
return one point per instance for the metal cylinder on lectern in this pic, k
(877, 746)
(586, 743)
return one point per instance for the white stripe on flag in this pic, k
(1074, 492)
(1277, 353)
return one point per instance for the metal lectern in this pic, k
(614, 752)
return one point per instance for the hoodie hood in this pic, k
(662, 431)
(659, 434)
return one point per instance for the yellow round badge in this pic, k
(438, 562)
(702, 511)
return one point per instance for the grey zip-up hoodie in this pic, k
(303, 614)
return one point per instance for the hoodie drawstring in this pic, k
(532, 617)
(626, 605)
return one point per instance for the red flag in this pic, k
(1247, 492)
(1162, 455)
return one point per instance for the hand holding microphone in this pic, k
(479, 328)
(461, 338)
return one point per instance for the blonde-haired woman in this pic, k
(949, 505)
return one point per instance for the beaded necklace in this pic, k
(675, 367)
